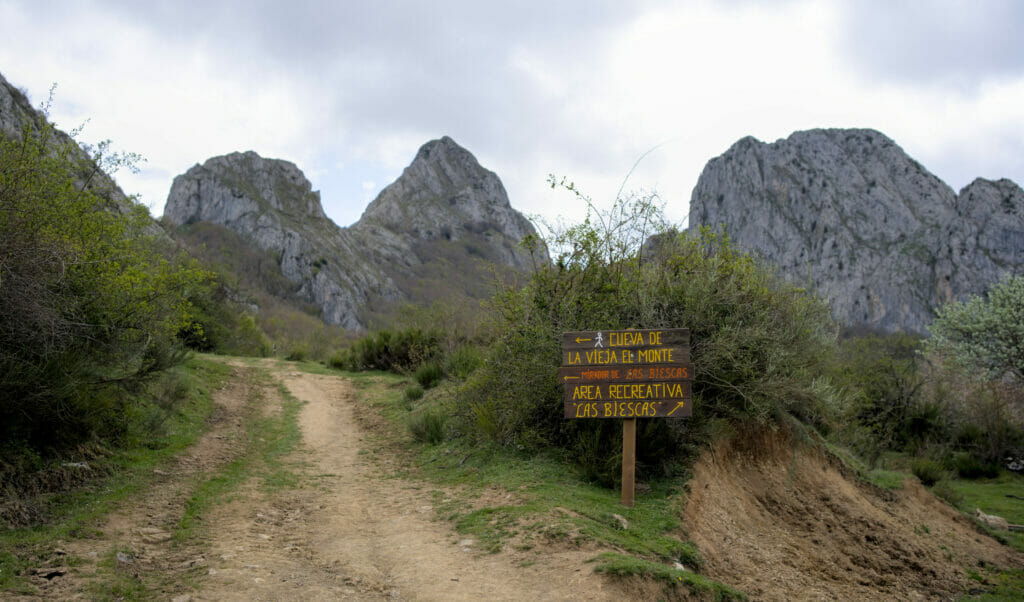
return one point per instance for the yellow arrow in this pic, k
(579, 340)
(678, 405)
(571, 377)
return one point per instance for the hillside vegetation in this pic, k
(766, 354)
(92, 302)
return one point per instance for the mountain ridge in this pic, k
(444, 210)
(849, 213)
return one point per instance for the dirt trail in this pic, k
(364, 535)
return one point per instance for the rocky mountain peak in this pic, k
(239, 186)
(420, 239)
(446, 194)
(849, 213)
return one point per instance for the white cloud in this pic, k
(581, 89)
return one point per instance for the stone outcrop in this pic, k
(445, 194)
(848, 213)
(444, 211)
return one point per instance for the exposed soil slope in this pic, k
(788, 525)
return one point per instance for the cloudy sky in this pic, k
(349, 90)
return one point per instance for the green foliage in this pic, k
(428, 425)
(413, 392)
(91, 300)
(297, 354)
(883, 406)
(927, 471)
(985, 334)
(757, 343)
(463, 361)
(428, 374)
(621, 565)
(970, 467)
(396, 351)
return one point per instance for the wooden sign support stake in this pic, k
(628, 461)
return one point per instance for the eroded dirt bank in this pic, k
(788, 525)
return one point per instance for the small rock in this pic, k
(996, 522)
(211, 572)
(154, 535)
(182, 598)
(680, 566)
(50, 573)
(123, 558)
(622, 521)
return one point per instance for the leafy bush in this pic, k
(927, 471)
(428, 374)
(396, 351)
(297, 354)
(413, 392)
(985, 334)
(757, 343)
(428, 426)
(880, 374)
(92, 301)
(945, 490)
(970, 467)
(463, 361)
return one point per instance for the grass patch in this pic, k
(621, 565)
(999, 586)
(1002, 496)
(73, 514)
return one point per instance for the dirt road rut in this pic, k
(362, 534)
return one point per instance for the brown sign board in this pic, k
(603, 391)
(659, 408)
(627, 373)
(573, 375)
(620, 357)
(628, 339)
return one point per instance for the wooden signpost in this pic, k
(627, 374)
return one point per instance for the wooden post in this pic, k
(628, 461)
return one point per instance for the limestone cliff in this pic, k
(420, 239)
(866, 226)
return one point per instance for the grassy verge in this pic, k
(73, 514)
(505, 500)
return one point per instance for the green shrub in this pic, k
(927, 471)
(970, 467)
(428, 374)
(297, 354)
(90, 301)
(463, 361)
(758, 344)
(395, 351)
(428, 426)
(413, 392)
(338, 360)
(985, 334)
(945, 490)
(880, 374)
